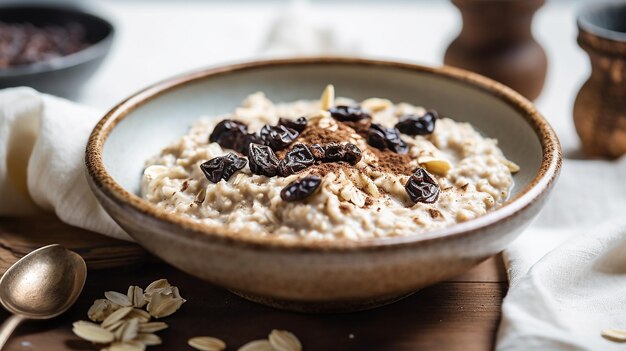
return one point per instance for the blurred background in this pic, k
(158, 39)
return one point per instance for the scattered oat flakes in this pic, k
(136, 297)
(100, 309)
(126, 346)
(152, 327)
(116, 316)
(125, 326)
(257, 345)
(118, 298)
(206, 343)
(92, 332)
(283, 340)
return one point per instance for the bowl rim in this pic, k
(585, 20)
(102, 182)
(92, 52)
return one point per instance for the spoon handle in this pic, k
(7, 328)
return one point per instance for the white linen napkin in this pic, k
(42, 150)
(568, 270)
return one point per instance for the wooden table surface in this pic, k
(459, 314)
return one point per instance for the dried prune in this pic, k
(352, 154)
(297, 159)
(228, 133)
(243, 144)
(416, 125)
(386, 138)
(334, 152)
(278, 137)
(348, 113)
(422, 187)
(318, 151)
(222, 167)
(300, 189)
(262, 160)
(298, 124)
(376, 137)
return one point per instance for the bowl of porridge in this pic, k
(323, 184)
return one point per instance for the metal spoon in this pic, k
(41, 285)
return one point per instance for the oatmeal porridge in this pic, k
(329, 169)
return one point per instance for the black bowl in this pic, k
(62, 76)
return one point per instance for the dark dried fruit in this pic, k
(353, 154)
(298, 125)
(228, 133)
(360, 127)
(348, 113)
(300, 189)
(422, 187)
(334, 152)
(243, 144)
(222, 167)
(415, 125)
(376, 137)
(318, 151)
(296, 160)
(278, 137)
(262, 159)
(386, 138)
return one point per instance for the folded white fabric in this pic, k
(568, 270)
(42, 146)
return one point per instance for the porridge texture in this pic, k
(348, 170)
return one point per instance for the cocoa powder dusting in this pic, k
(388, 161)
(316, 135)
(391, 162)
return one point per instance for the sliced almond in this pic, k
(118, 298)
(435, 165)
(152, 327)
(283, 340)
(376, 104)
(116, 316)
(93, 333)
(328, 97)
(206, 343)
(512, 166)
(257, 345)
(614, 335)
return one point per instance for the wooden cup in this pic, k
(496, 41)
(600, 108)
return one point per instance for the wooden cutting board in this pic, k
(19, 236)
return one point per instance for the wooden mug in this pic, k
(600, 107)
(496, 41)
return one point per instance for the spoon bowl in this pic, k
(42, 285)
